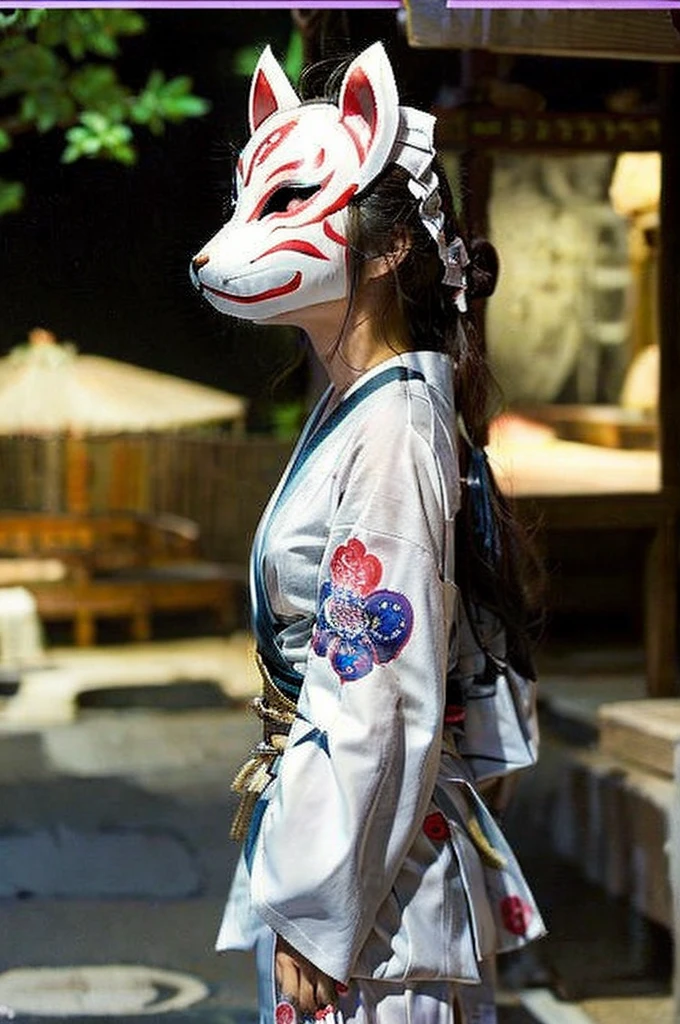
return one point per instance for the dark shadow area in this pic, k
(176, 696)
(597, 946)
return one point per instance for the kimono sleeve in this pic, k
(362, 757)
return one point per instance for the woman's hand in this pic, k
(299, 981)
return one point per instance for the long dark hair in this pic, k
(505, 577)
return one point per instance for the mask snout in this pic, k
(195, 266)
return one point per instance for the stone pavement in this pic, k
(114, 852)
(52, 684)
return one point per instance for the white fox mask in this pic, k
(285, 247)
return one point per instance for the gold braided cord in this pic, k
(244, 812)
(274, 709)
(271, 714)
(270, 691)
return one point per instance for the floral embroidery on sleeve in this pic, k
(516, 914)
(358, 625)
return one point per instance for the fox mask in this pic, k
(285, 247)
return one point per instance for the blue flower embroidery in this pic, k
(357, 625)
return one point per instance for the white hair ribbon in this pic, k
(414, 151)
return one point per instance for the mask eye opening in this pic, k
(280, 200)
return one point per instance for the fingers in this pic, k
(301, 983)
(287, 976)
(306, 999)
(325, 992)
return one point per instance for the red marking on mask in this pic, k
(331, 233)
(264, 100)
(359, 101)
(339, 203)
(294, 245)
(271, 293)
(319, 159)
(292, 166)
(268, 145)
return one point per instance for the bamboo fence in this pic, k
(221, 481)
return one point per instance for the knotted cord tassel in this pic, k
(277, 714)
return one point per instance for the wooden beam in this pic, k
(663, 563)
(485, 129)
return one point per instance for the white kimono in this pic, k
(371, 851)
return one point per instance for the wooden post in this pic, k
(669, 412)
(663, 582)
(661, 604)
(669, 279)
(674, 858)
(77, 475)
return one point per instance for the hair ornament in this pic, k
(455, 259)
(414, 151)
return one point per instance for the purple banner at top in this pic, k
(374, 4)
(557, 5)
(226, 4)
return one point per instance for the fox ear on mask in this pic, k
(369, 110)
(270, 90)
(368, 104)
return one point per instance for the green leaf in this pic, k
(96, 87)
(162, 101)
(9, 20)
(11, 196)
(47, 107)
(89, 31)
(294, 56)
(5, 141)
(29, 68)
(245, 60)
(123, 154)
(95, 121)
(35, 16)
(96, 136)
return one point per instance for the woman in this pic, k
(375, 882)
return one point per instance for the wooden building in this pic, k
(611, 492)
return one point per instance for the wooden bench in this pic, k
(93, 543)
(117, 565)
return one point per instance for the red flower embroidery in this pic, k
(435, 827)
(285, 1013)
(516, 915)
(358, 626)
(351, 567)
